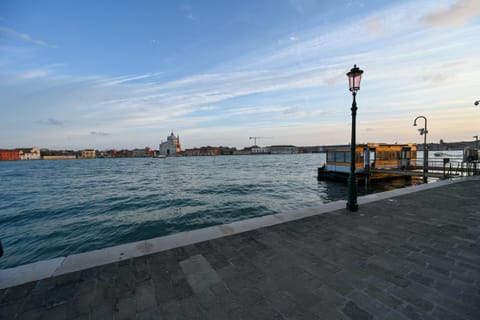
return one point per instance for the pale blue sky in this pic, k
(123, 74)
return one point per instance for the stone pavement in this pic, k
(415, 256)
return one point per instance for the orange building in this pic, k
(9, 155)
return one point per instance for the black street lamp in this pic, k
(354, 77)
(423, 132)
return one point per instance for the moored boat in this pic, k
(372, 161)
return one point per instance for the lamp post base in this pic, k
(352, 204)
(353, 207)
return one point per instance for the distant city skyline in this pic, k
(123, 75)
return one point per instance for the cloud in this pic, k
(99, 133)
(302, 6)
(441, 73)
(187, 9)
(26, 37)
(37, 73)
(291, 110)
(456, 14)
(375, 26)
(51, 122)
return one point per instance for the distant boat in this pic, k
(161, 156)
(439, 154)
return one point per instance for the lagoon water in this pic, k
(56, 208)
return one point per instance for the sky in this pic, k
(124, 74)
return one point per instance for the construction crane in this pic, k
(255, 139)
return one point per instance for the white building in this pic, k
(260, 150)
(29, 154)
(171, 147)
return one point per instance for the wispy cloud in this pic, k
(457, 14)
(25, 37)
(99, 133)
(52, 122)
(375, 26)
(187, 9)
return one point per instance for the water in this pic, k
(56, 208)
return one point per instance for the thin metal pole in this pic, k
(352, 204)
(425, 154)
(425, 151)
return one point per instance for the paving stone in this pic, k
(164, 291)
(102, 312)
(382, 296)
(413, 313)
(355, 312)
(32, 314)
(125, 309)
(388, 275)
(372, 306)
(420, 278)
(199, 273)
(108, 272)
(79, 317)
(18, 293)
(337, 284)
(55, 313)
(414, 296)
(61, 294)
(151, 314)
(67, 279)
(141, 269)
(145, 296)
(327, 296)
(441, 313)
(3, 294)
(394, 315)
(9, 311)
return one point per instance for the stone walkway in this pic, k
(415, 256)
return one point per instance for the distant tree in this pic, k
(441, 141)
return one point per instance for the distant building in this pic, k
(9, 155)
(244, 151)
(29, 153)
(124, 153)
(142, 153)
(88, 154)
(72, 157)
(58, 154)
(203, 151)
(312, 149)
(283, 149)
(171, 147)
(260, 150)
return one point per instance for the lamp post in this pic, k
(423, 132)
(354, 77)
(477, 102)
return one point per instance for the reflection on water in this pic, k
(390, 184)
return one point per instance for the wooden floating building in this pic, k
(372, 161)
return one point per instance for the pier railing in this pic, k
(440, 167)
(452, 166)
